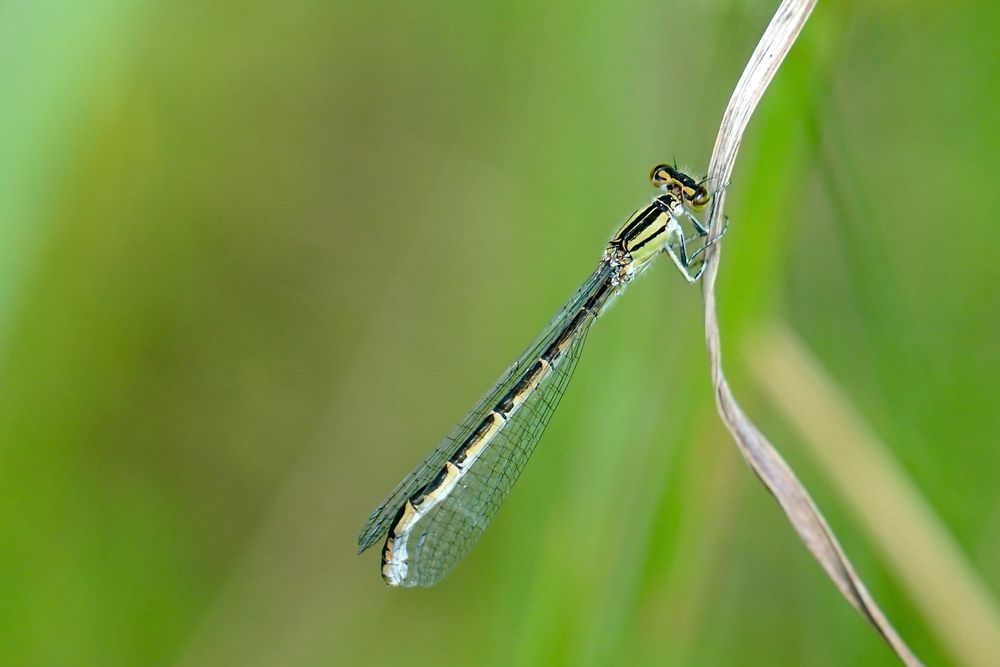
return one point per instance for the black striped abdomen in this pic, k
(497, 473)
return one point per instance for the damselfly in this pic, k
(437, 513)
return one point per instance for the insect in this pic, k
(434, 517)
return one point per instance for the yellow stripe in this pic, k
(653, 228)
(530, 384)
(475, 448)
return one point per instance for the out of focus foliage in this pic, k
(256, 259)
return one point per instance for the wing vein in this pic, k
(387, 512)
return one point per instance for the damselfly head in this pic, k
(675, 181)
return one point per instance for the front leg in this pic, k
(679, 256)
(696, 223)
(725, 228)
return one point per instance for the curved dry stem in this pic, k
(763, 458)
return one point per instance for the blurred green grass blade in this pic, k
(58, 60)
(917, 546)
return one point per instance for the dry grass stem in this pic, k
(763, 458)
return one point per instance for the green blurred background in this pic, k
(256, 260)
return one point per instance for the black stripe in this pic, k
(551, 353)
(392, 529)
(639, 219)
(650, 221)
(654, 235)
(665, 203)
(459, 457)
(595, 302)
(506, 404)
(419, 497)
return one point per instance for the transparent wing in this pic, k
(384, 515)
(446, 534)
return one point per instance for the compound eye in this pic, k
(661, 175)
(700, 197)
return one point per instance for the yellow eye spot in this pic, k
(660, 175)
